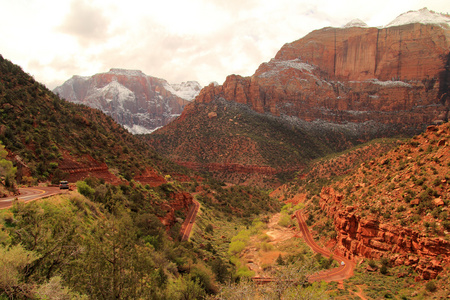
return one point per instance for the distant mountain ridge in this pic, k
(139, 102)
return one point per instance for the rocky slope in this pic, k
(395, 75)
(337, 86)
(139, 102)
(396, 206)
(393, 206)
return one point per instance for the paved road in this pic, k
(189, 222)
(340, 273)
(30, 194)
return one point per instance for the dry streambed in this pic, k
(264, 249)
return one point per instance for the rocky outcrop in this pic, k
(368, 237)
(139, 102)
(178, 202)
(396, 75)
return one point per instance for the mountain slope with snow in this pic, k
(139, 102)
(423, 16)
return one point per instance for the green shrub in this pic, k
(285, 221)
(236, 247)
(84, 189)
(431, 286)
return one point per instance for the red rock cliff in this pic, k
(397, 75)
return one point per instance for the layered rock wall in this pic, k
(397, 75)
(367, 237)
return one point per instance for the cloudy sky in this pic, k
(178, 40)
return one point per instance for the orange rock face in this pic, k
(371, 239)
(395, 76)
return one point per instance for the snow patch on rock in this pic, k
(125, 72)
(114, 91)
(356, 23)
(387, 83)
(423, 16)
(186, 90)
(137, 129)
(280, 65)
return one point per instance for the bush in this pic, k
(431, 286)
(285, 221)
(266, 247)
(85, 189)
(236, 247)
(209, 228)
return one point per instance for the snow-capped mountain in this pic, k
(422, 16)
(139, 102)
(186, 90)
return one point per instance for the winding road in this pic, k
(189, 221)
(346, 266)
(30, 194)
(344, 271)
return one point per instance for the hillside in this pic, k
(139, 102)
(51, 139)
(392, 206)
(239, 145)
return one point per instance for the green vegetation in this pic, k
(398, 283)
(108, 241)
(50, 135)
(239, 135)
(104, 247)
(290, 282)
(7, 172)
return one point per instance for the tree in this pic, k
(220, 270)
(280, 260)
(14, 262)
(185, 289)
(290, 281)
(7, 170)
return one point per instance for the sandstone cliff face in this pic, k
(397, 76)
(139, 102)
(368, 237)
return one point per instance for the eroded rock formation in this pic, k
(368, 237)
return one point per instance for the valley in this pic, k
(323, 175)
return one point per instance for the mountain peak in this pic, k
(423, 16)
(355, 23)
(126, 72)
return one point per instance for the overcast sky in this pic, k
(178, 40)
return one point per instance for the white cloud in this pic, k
(178, 40)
